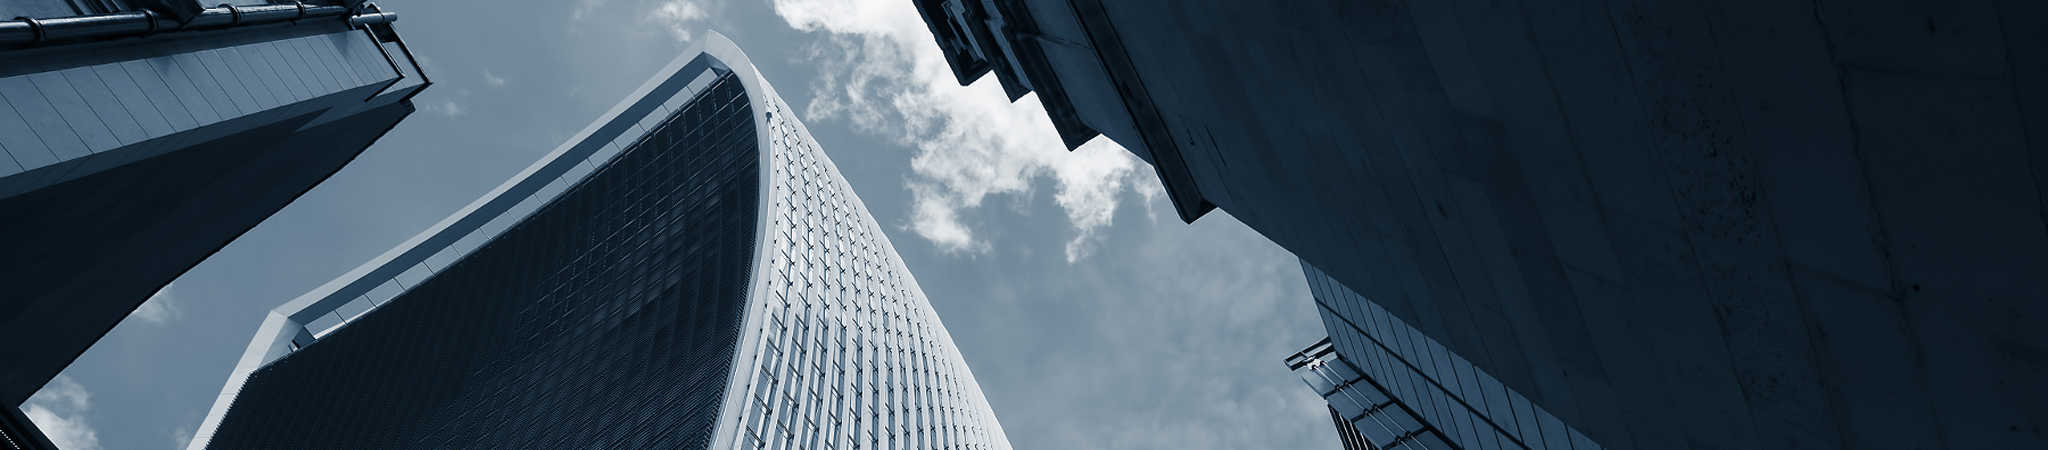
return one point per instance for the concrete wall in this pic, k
(1673, 224)
(1081, 74)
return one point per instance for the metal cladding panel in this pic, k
(126, 162)
(605, 319)
(82, 254)
(851, 354)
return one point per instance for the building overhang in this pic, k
(1001, 36)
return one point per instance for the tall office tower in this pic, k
(690, 271)
(1671, 224)
(137, 137)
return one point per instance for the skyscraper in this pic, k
(1671, 224)
(138, 137)
(689, 271)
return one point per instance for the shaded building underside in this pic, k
(1685, 224)
(121, 234)
(136, 145)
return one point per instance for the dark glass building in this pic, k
(1671, 224)
(690, 271)
(1366, 415)
(137, 137)
(1395, 387)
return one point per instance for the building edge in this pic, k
(284, 327)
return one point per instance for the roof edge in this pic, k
(284, 327)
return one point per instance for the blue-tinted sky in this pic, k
(1092, 317)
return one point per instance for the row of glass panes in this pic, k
(798, 332)
(1380, 418)
(772, 372)
(1467, 404)
(1414, 387)
(831, 308)
(814, 257)
(1470, 428)
(477, 237)
(891, 379)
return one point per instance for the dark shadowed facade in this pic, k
(1668, 224)
(136, 141)
(690, 271)
(1395, 387)
(1366, 415)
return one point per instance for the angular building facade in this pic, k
(690, 271)
(1394, 387)
(1822, 222)
(1366, 416)
(138, 137)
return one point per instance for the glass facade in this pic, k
(852, 355)
(1366, 417)
(606, 318)
(691, 272)
(1373, 361)
(648, 127)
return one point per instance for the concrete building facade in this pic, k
(1690, 224)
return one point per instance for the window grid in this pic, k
(852, 356)
(1470, 407)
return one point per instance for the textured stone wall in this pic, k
(1673, 224)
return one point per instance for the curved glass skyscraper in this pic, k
(688, 272)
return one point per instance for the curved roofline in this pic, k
(716, 46)
(286, 325)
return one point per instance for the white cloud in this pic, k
(584, 7)
(678, 17)
(59, 409)
(884, 74)
(493, 80)
(1150, 189)
(181, 437)
(161, 307)
(448, 108)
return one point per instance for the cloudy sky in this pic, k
(1092, 317)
